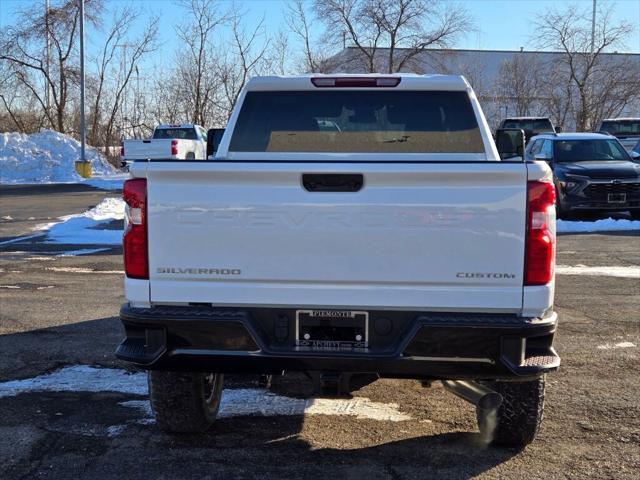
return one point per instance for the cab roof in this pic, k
(574, 136)
(406, 81)
(622, 119)
(526, 118)
(175, 125)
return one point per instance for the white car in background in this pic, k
(169, 142)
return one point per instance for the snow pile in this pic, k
(605, 225)
(45, 157)
(88, 228)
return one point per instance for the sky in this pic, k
(500, 24)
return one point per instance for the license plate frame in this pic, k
(332, 330)
(617, 198)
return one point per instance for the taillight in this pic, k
(354, 82)
(540, 244)
(174, 147)
(122, 149)
(136, 261)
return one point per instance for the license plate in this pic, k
(617, 198)
(332, 330)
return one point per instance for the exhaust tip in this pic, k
(490, 401)
(474, 393)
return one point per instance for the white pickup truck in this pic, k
(351, 227)
(168, 142)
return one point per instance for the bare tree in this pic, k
(519, 83)
(22, 47)
(133, 52)
(390, 34)
(299, 21)
(9, 97)
(197, 67)
(278, 56)
(105, 82)
(588, 71)
(246, 57)
(557, 94)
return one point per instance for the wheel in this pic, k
(185, 401)
(518, 419)
(560, 213)
(191, 156)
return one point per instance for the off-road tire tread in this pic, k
(178, 400)
(520, 415)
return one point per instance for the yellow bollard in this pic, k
(83, 169)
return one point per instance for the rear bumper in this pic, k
(419, 345)
(587, 207)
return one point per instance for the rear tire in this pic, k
(185, 402)
(518, 419)
(190, 156)
(561, 213)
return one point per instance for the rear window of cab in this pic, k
(175, 133)
(362, 121)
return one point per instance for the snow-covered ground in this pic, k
(48, 157)
(87, 228)
(601, 271)
(234, 403)
(604, 225)
(112, 181)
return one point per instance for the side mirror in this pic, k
(635, 155)
(559, 129)
(541, 156)
(510, 142)
(214, 135)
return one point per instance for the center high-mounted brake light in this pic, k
(540, 243)
(354, 82)
(134, 240)
(174, 147)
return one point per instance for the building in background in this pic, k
(525, 83)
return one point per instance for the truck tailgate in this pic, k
(430, 236)
(144, 149)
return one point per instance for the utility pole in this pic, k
(48, 55)
(593, 46)
(83, 133)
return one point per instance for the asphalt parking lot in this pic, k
(58, 314)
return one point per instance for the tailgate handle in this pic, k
(146, 141)
(332, 182)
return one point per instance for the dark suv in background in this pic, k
(592, 172)
(531, 126)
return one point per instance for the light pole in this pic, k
(83, 133)
(48, 55)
